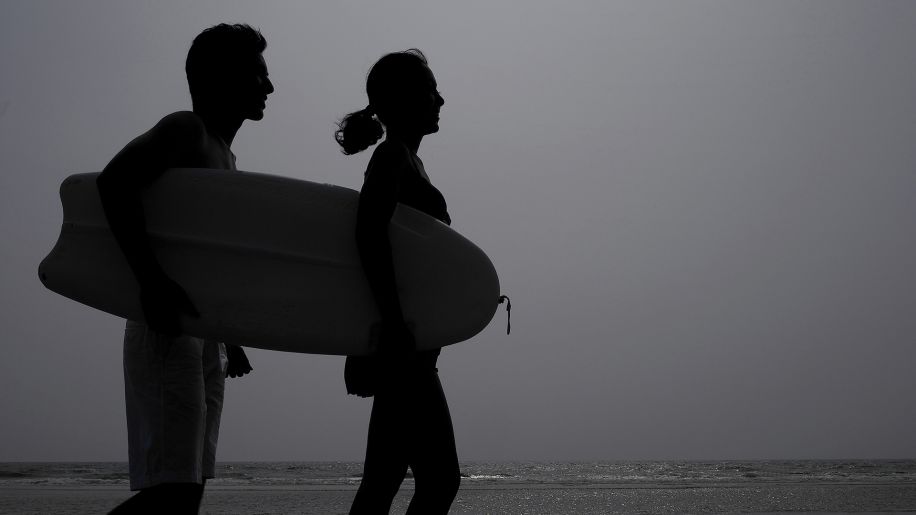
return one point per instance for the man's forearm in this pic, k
(124, 211)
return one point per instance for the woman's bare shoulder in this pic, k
(390, 159)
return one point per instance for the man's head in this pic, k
(226, 70)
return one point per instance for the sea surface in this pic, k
(838, 486)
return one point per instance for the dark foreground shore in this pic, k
(502, 499)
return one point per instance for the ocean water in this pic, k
(841, 486)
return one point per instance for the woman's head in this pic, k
(402, 96)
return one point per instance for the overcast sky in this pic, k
(702, 210)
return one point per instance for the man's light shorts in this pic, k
(174, 393)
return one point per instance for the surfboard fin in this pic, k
(505, 298)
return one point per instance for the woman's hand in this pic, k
(394, 338)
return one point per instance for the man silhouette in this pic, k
(174, 382)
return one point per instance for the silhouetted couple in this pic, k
(174, 383)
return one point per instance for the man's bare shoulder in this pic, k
(174, 142)
(192, 144)
(180, 126)
(175, 135)
(184, 141)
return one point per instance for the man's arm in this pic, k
(237, 362)
(173, 142)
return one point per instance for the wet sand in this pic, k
(508, 499)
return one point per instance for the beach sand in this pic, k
(508, 499)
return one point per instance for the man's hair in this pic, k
(215, 51)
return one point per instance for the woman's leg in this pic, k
(433, 457)
(386, 456)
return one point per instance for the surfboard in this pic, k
(271, 262)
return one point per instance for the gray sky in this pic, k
(703, 212)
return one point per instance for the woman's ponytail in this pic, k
(358, 131)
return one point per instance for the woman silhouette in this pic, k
(410, 425)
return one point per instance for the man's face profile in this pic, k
(245, 87)
(253, 86)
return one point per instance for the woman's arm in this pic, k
(377, 202)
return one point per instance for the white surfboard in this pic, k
(271, 262)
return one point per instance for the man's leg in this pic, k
(166, 415)
(177, 498)
(214, 372)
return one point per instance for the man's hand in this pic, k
(163, 301)
(238, 361)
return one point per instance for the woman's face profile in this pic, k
(422, 103)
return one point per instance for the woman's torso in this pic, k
(414, 190)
